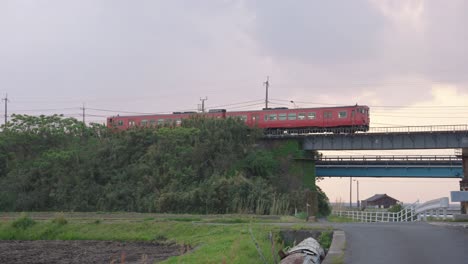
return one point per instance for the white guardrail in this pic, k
(415, 212)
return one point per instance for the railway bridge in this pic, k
(389, 138)
(416, 166)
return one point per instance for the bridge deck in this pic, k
(389, 166)
(411, 137)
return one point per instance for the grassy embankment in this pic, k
(339, 219)
(213, 243)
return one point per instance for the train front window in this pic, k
(342, 114)
(292, 116)
(281, 117)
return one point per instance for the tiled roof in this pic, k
(377, 197)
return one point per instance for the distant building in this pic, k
(379, 201)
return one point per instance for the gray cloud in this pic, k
(164, 55)
(347, 47)
(319, 32)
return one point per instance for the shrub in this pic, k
(23, 222)
(60, 220)
(396, 208)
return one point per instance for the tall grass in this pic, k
(276, 204)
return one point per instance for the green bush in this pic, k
(60, 220)
(23, 222)
(325, 239)
(396, 208)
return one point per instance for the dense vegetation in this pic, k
(51, 163)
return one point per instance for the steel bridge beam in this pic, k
(387, 171)
(375, 141)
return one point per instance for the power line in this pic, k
(239, 107)
(378, 106)
(46, 110)
(240, 103)
(399, 116)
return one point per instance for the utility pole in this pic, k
(357, 194)
(6, 108)
(350, 192)
(203, 103)
(84, 113)
(267, 84)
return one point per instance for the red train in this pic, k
(272, 120)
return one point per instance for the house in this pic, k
(379, 201)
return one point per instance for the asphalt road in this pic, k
(412, 243)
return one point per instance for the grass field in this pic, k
(212, 239)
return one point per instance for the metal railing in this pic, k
(390, 158)
(415, 212)
(415, 129)
(372, 130)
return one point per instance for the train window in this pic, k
(120, 123)
(243, 118)
(131, 123)
(178, 122)
(342, 114)
(292, 116)
(281, 116)
(152, 122)
(311, 115)
(273, 117)
(266, 117)
(144, 122)
(301, 116)
(160, 122)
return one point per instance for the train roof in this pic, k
(234, 112)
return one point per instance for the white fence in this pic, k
(415, 212)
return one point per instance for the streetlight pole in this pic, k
(357, 194)
(294, 103)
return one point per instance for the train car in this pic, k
(303, 120)
(174, 119)
(272, 120)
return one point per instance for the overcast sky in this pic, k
(162, 56)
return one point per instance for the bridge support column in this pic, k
(464, 181)
(306, 170)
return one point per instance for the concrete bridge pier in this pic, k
(464, 181)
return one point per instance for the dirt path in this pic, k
(41, 251)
